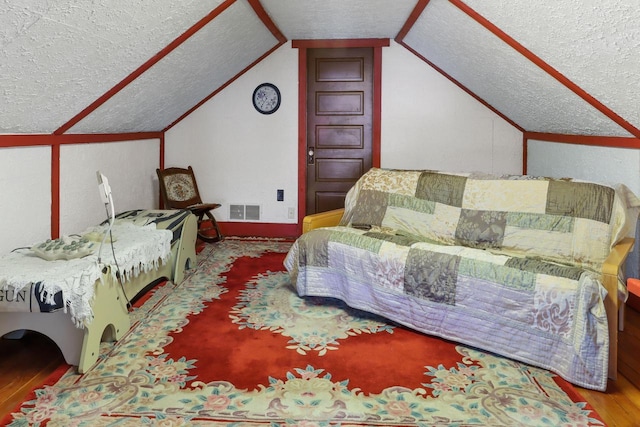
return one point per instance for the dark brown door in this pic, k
(339, 123)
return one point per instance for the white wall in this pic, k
(430, 123)
(599, 164)
(25, 182)
(240, 156)
(130, 167)
(25, 196)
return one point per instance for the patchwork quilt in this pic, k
(506, 264)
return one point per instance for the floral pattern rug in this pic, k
(136, 383)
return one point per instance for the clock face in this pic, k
(266, 98)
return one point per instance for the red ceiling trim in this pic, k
(266, 20)
(464, 88)
(546, 67)
(218, 90)
(413, 17)
(28, 140)
(603, 141)
(339, 43)
(144, 67)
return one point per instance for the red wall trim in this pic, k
(302, 136)
(266, 20)
(75, 138)
(161, 166)
(161, 159)
(55, 191)
(144, 67)
(338, 43)
(603, 141)
(413, 17)
(259, 229)
(464, 88)
(377, 107)
(525, 146)
(547, 68)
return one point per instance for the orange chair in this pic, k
(179, 190)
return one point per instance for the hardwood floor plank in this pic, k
(26, 363)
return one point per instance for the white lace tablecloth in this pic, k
(137, 249)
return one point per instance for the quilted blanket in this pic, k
(494, 302)
(507, 264)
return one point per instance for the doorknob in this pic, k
(311, 156)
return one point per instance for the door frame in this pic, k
(302, 46)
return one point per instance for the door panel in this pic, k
(339, 123)
(339, 103)
(339, 136)
(338, 170)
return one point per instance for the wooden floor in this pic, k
(26, 363)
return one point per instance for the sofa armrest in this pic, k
(611, 270)
(322, 219)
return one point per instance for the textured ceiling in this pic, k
(501, 76)
(79, 66)
(594, 43)
(339, 19)
(185, 76)
(59, 56)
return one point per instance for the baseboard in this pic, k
(258, 229)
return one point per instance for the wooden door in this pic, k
(339, 123)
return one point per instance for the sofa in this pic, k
(526, 267)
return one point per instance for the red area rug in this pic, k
(234, 345)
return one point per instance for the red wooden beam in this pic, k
(339, 43)
(413, 17)
(55, 191)
(376, 142)
(525, 147)
(267, 21)
(28, 140)
(602, 141)
(302, 137)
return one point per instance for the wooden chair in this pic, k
(179, 190)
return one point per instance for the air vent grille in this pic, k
(252, 212)
(244, 212)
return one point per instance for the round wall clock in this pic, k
(266, 98)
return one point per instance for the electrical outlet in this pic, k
(280, 195)
(292, 213)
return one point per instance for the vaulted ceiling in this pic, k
(78, 66)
